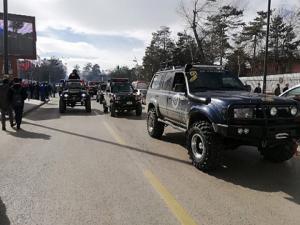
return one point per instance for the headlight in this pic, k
(83, 95)
(246, 113)
(66, 95)
(273, 111)
(294, 111)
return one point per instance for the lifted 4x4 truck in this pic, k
(120, 96)
(217, 113)
(74, 93)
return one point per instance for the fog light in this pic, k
(240, 131)
(294, 111)
(273, 111)
(246, 131)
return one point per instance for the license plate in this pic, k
(129, 103)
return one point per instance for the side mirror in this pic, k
(179, 88)
(248, 88)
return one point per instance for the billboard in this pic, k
(21, 36)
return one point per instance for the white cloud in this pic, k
(128, 18)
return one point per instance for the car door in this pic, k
(177, 99)
(166, 84)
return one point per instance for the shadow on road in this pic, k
(110, 142)
(245, 167)
(29, 135)
(4, 220)
(132, 116)
(53, 113)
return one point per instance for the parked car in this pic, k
(216, 112)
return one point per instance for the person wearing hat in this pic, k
(17, 96)
(74, 75)
(5, 104)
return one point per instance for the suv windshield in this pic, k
(201, 81)
(74, 85)
(121, 87)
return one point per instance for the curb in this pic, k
(34, 108)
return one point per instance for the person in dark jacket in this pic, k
(17, 96)
(257, 89)
(74, 75)
(5, 104)
(277, 90)
(287, 87)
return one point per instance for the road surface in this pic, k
(84, 169)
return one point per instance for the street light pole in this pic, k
(267, 49)
(5, 38)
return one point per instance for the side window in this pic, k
(156, 82)
(179, 84)
(293, 92)
(168, 81)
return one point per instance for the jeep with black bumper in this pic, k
(216, 111)
(120, 96)
(74, 94)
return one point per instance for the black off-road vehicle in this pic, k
(74, 94)
(217, 112)
(120, 96)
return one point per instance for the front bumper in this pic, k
(259, 134)
(120, 105)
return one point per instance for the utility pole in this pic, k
(5, 38)
(267, 49)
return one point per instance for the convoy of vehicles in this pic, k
(214, 109)
(74, 93)
(216, 112)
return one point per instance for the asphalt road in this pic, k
(81, 169)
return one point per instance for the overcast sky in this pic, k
(109, 32)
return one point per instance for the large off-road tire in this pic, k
(139, 111)
(113, 111)
(204, 146)
(154, 127)
(62, 106)
(88, 106)
(279, 153)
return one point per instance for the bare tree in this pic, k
(195, 16)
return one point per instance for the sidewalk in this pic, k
(31, 105)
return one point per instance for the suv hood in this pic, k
(242, 97)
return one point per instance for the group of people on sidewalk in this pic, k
(12, 97)
(277, 91)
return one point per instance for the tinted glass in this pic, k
(74, 85)
(168, 81)
(294, 92)
(156, 82)
(121, 87)
(199, 81)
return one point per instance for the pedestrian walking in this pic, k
(277, 90)
(257, 89)
(5, 104)
(17, 96)
(286, 88)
